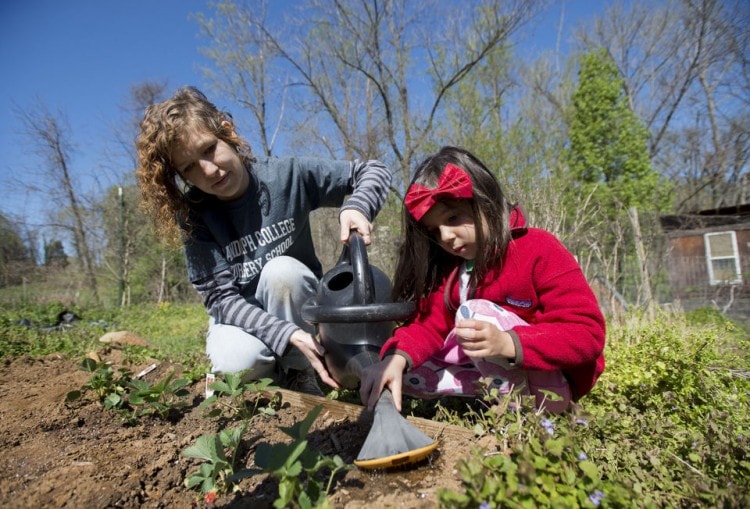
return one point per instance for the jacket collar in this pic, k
(517, 222)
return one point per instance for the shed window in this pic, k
(723, 258)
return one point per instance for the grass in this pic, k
(176, 332)
(666, 426)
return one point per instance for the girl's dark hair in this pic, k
(422, 263)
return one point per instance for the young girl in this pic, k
(245, 227)
(496, 299)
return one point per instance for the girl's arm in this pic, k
(378, 376)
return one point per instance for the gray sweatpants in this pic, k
(285, 285)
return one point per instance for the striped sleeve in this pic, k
(371, 181)
(227, 306)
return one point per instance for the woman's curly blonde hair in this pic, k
(164, 126)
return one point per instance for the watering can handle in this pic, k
(363, 308)
(364, 289)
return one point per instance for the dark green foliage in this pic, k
(54, 254)
(608, 152)
(16, 257)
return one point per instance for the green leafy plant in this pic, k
(158, 398)
(108, 385)
(230, 397)
(546, 468)
(119, 391)
(296, 467)
(220, 453)
(666, 426)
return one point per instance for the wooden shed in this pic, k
(709, 258)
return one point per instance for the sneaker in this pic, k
(302, 381)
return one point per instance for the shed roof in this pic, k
(737, 216)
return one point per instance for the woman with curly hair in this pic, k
(244, 224)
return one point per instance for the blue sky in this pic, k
(81, 57)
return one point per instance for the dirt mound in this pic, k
(58, 454)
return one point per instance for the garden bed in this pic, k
(78, 454)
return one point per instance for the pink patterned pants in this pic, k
(451, 372)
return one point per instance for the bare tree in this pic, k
(244, 65)
(686, 71)
(128, 233)
(126, 129)
(49, 134)
(377, 72)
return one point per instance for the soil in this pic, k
(78, 454)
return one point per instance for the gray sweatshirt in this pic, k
(230, 242)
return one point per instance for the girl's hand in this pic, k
(314, 353)
(351, 219)
(483, 339)
(376, 377)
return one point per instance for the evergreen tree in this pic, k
(608, 142)
(15, 256)
(54, 254)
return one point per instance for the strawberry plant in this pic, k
(158, 398)
(218, 474)
(296, 467)
(230, 394)
(108, 385)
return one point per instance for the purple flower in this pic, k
(581, 421)
(484, 505)
(582, 456)
(596, 497)
(548, 426)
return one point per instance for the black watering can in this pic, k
(354, 317)
(354, 313)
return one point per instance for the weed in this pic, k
(666, 426)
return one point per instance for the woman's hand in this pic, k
(483, 339)
(351, 219)
(386, 373)
(314, 353)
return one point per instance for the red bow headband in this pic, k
(454, 182)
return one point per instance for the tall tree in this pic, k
(373, 75)
(609, 160)
(244, 66)
(608, 143)
(50, 136)
(54, 254)
(684, 63)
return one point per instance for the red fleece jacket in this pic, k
(542, 283)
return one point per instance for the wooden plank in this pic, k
(339, 409)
